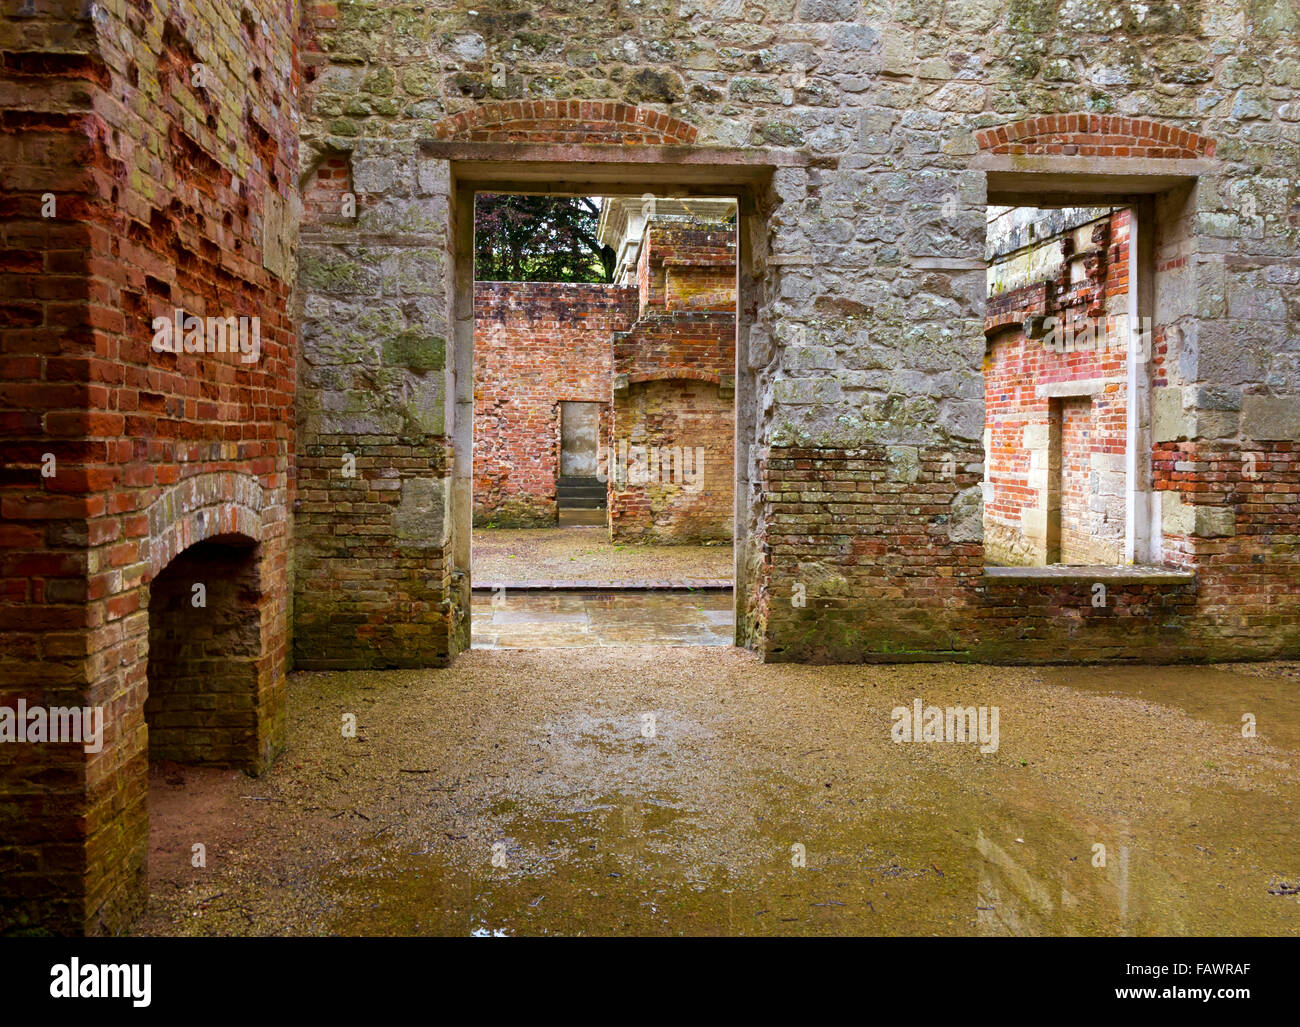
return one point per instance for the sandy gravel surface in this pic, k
(587, 554)
(696, 791)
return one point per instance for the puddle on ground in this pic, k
(1221, 695)
(521, 619)
(767, 800)
(925, 854)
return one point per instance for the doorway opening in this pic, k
(604, 355)
(206, 660)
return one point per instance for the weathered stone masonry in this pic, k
(888, 128)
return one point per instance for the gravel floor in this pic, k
(696, 791)
(524, 555)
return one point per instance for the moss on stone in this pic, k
(416, 352)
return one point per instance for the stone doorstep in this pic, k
(688, 585)
(1072, 574)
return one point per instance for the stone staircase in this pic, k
(581, 501)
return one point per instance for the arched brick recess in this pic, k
(565, 121)
(214, 506)
(203, 507)
(669, 374)
(1094, 135)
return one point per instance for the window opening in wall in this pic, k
(604, 420)
(1059, 329)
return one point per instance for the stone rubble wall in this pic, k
(868, 270)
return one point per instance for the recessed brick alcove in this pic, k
(206, 655)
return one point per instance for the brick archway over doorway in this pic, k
(565, 121)
(207, 685)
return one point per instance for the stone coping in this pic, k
(1127, 574)
(634, 585)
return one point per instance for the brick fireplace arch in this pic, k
(200, 508)
(225, 530)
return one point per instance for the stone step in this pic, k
(569, 517)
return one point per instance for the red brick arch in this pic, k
(1094, 135)
(220, 503)
(565, 121)
(669, 374)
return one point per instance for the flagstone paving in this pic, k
(585, 554)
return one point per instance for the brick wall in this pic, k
(651, 348)
(368, 509)
(674, 462)
(536, 345)
(863, 558)
(687, 263)
(874, 556)
(327, 195)
(1055, 454)
(167, 143)
(673, 392)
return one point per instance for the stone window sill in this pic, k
(1126, 574)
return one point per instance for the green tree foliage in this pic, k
(539, 239)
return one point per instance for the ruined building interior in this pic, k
(615, 397)
(865, 301)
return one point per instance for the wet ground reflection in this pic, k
(680, 791)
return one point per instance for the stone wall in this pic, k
(375, 581)
(150, 157)
(536, 345)
(863, 296)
